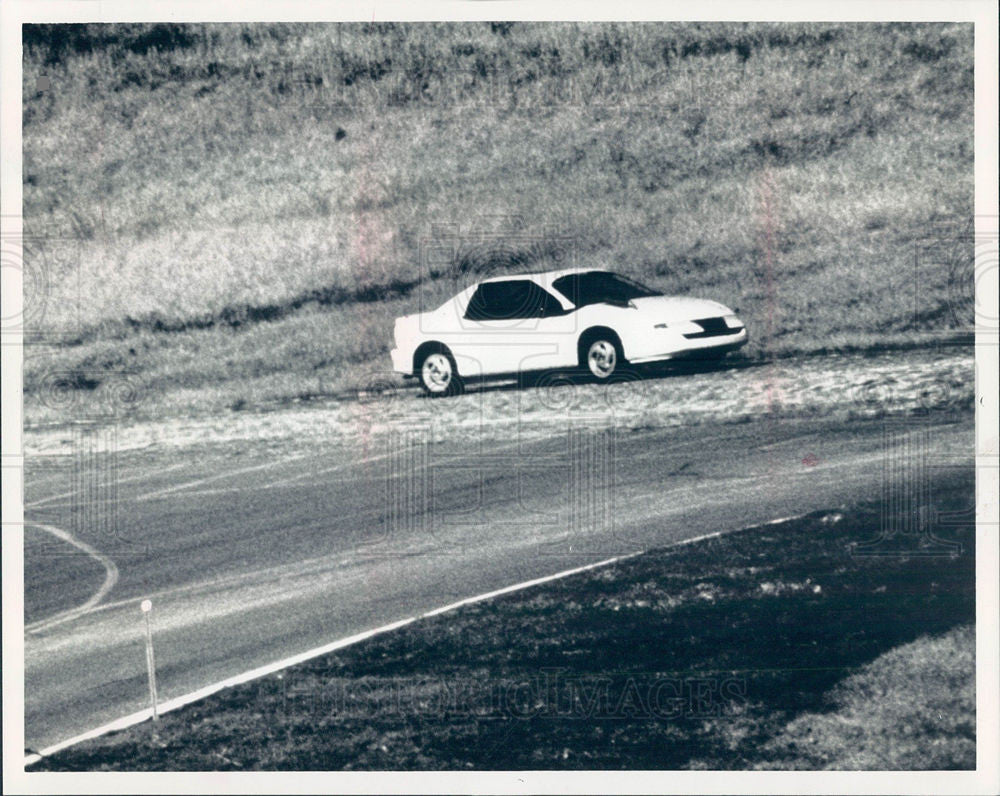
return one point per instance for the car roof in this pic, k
(543, 277)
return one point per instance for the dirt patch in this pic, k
(845, 386)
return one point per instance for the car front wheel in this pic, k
(438, 375)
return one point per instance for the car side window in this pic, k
(595, 287)
(510, 300)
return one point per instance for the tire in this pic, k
(601, 355)
(438, 374)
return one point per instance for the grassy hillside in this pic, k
(247, 207)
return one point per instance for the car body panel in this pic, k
(650, 328)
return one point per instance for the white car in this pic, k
(593, 320)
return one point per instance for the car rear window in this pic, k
(511, 299)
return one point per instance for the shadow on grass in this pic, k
(573, 378)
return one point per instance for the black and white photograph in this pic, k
(494, 398)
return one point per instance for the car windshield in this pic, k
(594, 287)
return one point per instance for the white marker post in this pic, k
(146, 607)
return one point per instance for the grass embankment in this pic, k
(770, 648)
(238, 212)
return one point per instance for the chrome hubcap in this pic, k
(436, 372)
(602, 359)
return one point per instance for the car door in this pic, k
(512, 325)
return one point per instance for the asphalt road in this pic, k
(254, 557)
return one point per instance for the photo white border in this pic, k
(984, 780)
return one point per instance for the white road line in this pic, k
(76, 613)
(219, 476)
(46, 500)
(285, 481)
(110, 579)
(527, 584)
(305, 566)
(201, 693)
(262, 671)
(298, 479)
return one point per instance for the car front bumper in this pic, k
(691, 349)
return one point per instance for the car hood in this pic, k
(679, 308)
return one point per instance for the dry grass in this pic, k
(240, 176)
(912, 708)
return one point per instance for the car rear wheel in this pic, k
(439, 375)
(603, 357)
